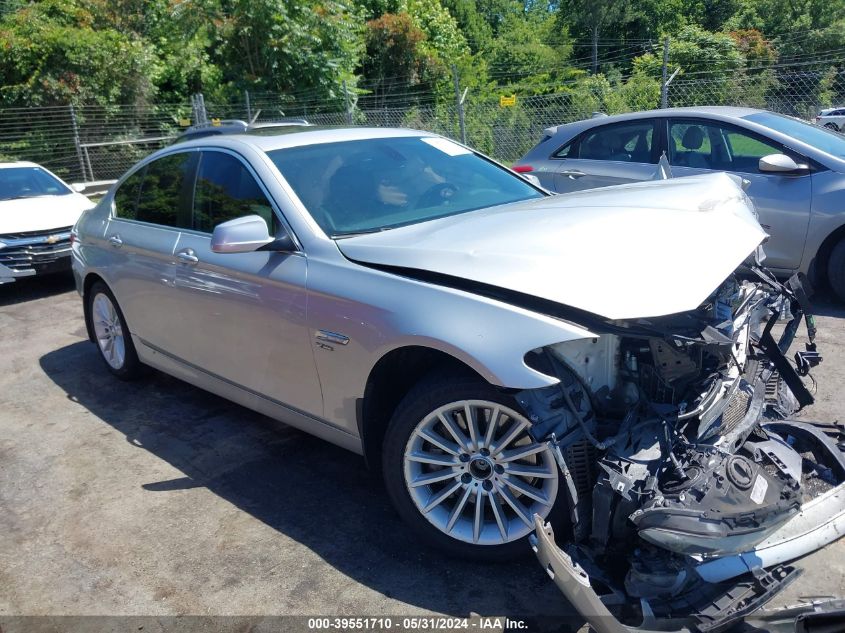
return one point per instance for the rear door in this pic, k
(149, 208)
(244, 313)
(611, 154)
(700, 146)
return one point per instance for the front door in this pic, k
(245, 313)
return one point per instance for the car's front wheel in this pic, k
(831, 126)
(464, 473)
(111, 333)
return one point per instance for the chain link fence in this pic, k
(91, 143)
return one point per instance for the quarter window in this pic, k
(565, 151)
(226, 190)
(627, 142)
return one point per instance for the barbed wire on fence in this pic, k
(95, 142)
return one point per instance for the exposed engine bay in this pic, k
(690, 486)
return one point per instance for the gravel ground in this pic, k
(156, 498)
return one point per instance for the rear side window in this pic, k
(625, 142)
(156, 193)
(226, 190)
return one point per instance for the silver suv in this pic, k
(601, 362)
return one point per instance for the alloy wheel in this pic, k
(475, 473)
(108, 331)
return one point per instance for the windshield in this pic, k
(354, 187)
(829, 142)
(29, 182)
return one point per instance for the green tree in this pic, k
(529, 54)
(477, 31)
(287, 45)
(590, 18)
(394, 62)
(54, 55)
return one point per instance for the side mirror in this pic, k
(241, 235)
(78, 187)
(780, 164)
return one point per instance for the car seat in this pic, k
(692, 141)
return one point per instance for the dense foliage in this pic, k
(157, 51)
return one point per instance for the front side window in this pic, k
(625, 142)
(157, 193)
(710, 145)
(376, 184)
(225, 190)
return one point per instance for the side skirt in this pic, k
(161, 360)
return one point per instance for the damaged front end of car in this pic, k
(690, 486)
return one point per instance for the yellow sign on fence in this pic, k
(507, 102)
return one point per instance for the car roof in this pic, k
(724, 112)
(20, 163)
(295, 136)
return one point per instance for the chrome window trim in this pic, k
(274, 205)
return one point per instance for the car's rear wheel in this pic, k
(112, 336)
(464, 473)
(836, 270)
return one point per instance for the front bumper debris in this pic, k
(688, 512)
(711, 616)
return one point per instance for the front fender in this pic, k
(380, 312)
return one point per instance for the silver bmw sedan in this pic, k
(511, 361)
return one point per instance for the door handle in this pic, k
(572, 173)
(187, 256)
(115, 241)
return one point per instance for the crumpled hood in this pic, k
(632, 251)
(42, 213)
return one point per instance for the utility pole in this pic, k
(76, 142)
(348, 104)
(248, 108)
(459, 102)
(198, 108)
(664, 85)
(595, 48)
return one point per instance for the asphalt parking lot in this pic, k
(156, 498)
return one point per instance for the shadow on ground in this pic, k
(32, 288)
(315, 493)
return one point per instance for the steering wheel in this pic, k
(437, 194)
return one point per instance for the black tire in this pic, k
(131, 367)
(435, 391)
(832, 126)
(836, 270)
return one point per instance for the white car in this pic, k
(831, 118)
(37, 211)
